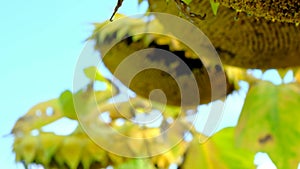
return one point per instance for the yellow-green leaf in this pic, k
(218, 152)
(214, 6)
(38, 116)
(136, 164)
(66, 102)
(270, 122)
(93, 74)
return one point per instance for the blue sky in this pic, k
(39, 45)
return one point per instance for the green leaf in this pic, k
(136, 164)
(94, 75)
(270, 122)
(66, 102)
(187, 1)
(218, 152)
(214, 6)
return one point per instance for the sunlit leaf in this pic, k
(67, 105)
(38, 116)
(270, 122)
(107, 31)
(214, 6)
(93, 74)
(218, 152)
(136, 164)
